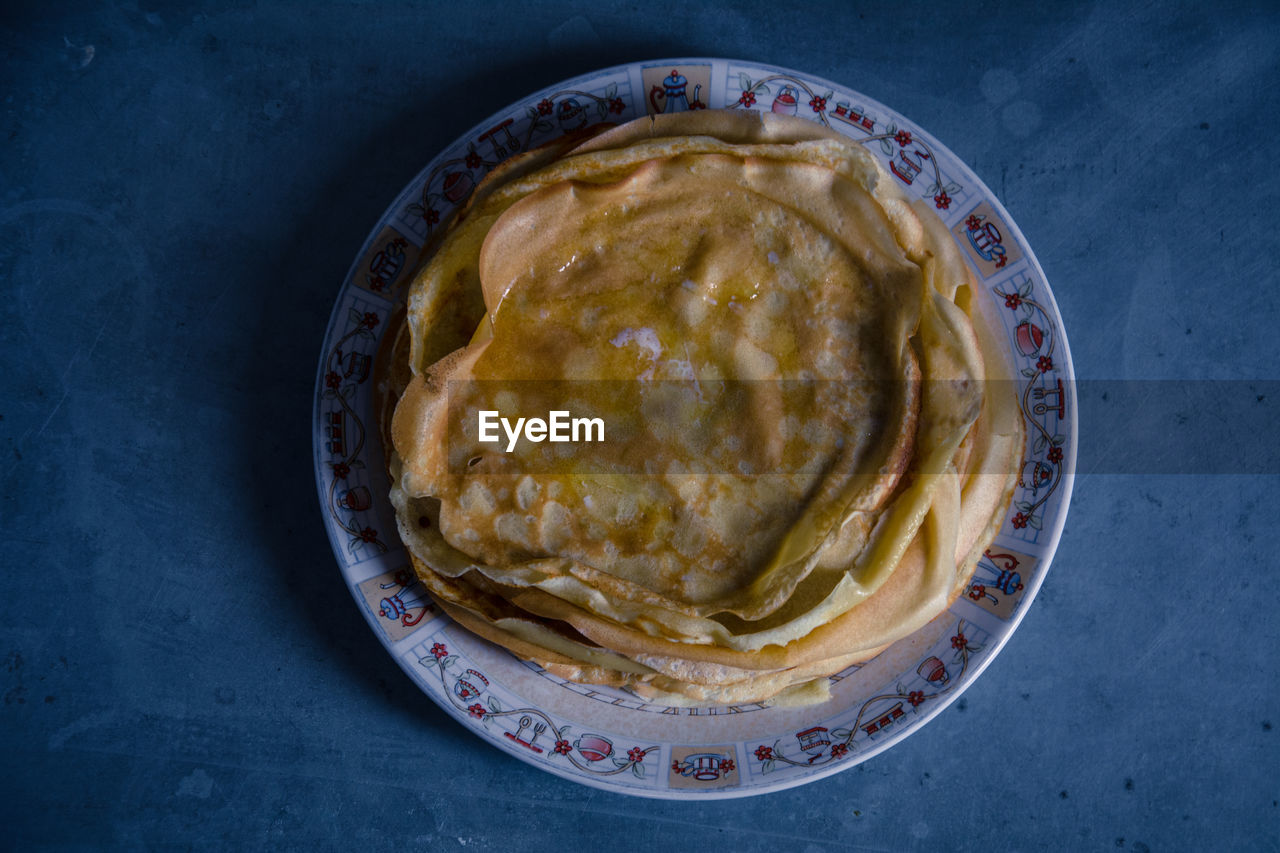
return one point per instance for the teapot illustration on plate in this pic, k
(672, 91)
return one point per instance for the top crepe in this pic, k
(770, 332)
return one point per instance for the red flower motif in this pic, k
(942, 200)
(1019, 521)
(1012, 301)
(341, 470)
(635, 754)
(1055, 454)
(562, 747)
(369, 535)
(958, 641)
(747, 99)
(472, 160)
(477, 710)
(545, 107)
(818, 103)
(839, 750)
(915, 697)
(332, 379)
(977, 591)
(973, 223)
(404, 577)
(1044, 363)
(616, 105)
(440, 651)
(1001, 261)
(377, 283)
(676, 767)
(903, 138)
(431, 215)
(370, 320)
(764, 753)
(727, 765)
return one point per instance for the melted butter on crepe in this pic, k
(646, 279)
(787, 496)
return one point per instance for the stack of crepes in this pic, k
(805, 449)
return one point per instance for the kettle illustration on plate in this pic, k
(785, 103)
(672, 91)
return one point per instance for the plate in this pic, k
(607, 738)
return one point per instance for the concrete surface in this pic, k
(183, 188)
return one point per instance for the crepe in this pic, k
(801, 462)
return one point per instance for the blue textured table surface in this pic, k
(184, 188)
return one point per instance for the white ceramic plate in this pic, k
(610, 739)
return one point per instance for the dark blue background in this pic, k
(182, 662)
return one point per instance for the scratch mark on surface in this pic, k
(58, 405)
